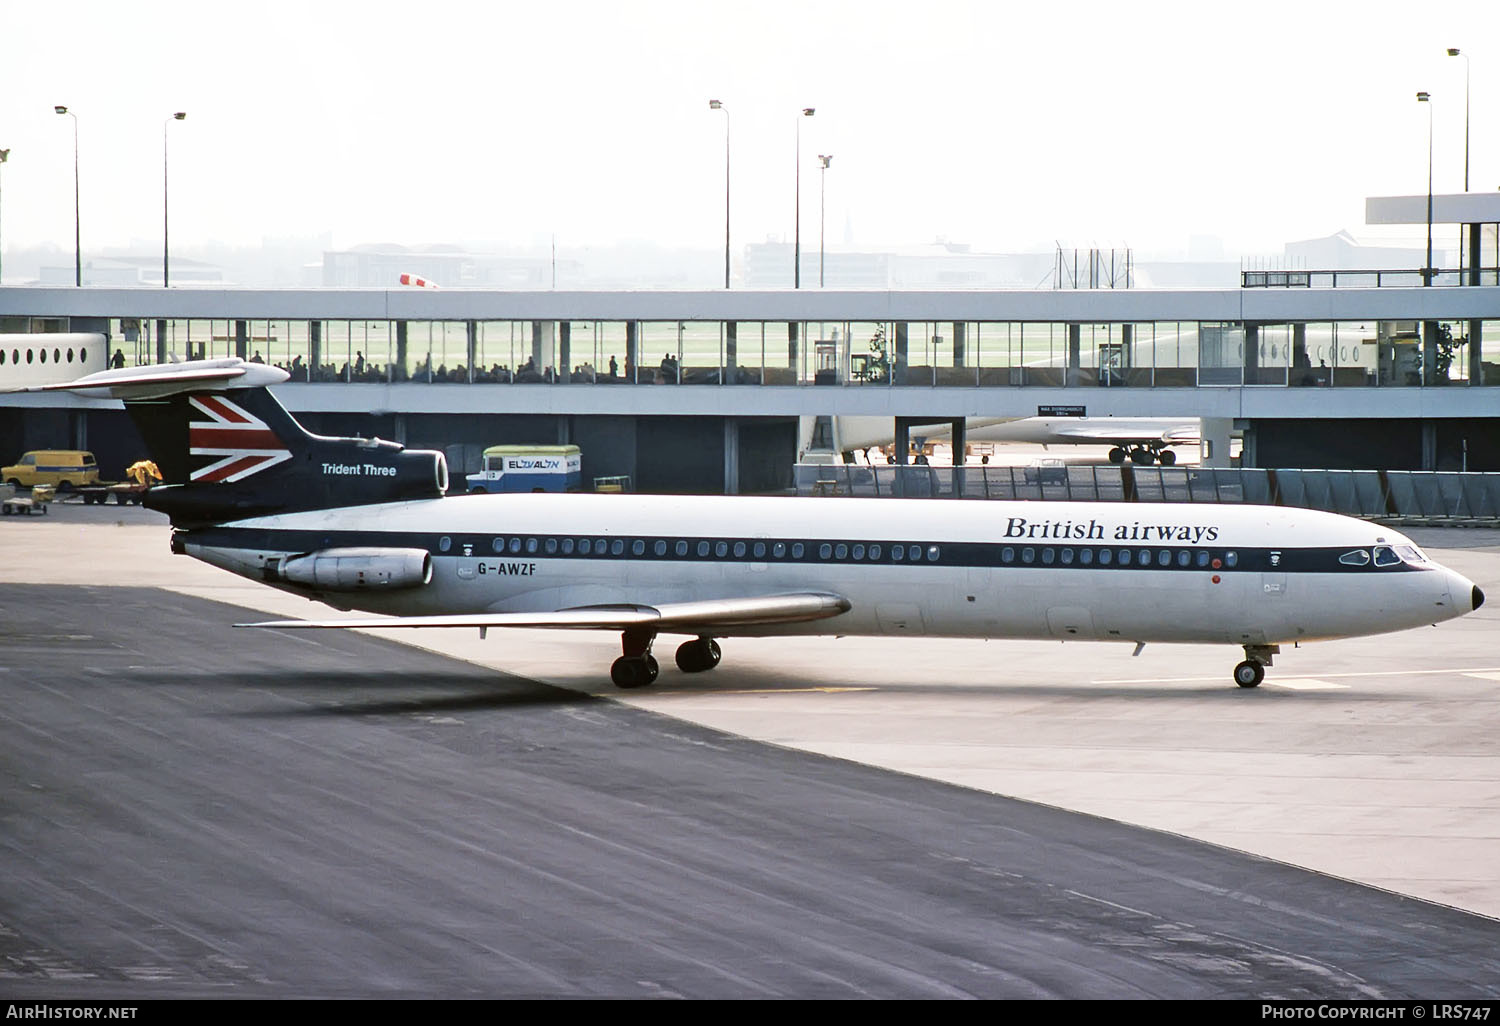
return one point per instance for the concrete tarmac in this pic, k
(308, 781)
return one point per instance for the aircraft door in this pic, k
(1070, 622)
(899, 618)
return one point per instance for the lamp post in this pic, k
(807, 112)
(716, 105)
(1427, 270)
(1454, 51)
(77, 237)
(4, 156)
(823, 161)
(165, 248)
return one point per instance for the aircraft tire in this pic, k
(697, 656)
(1167, 457)
(1117, 455)
(629, 672)
(1249, 674)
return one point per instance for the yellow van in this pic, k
(65, 468)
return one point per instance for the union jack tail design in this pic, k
(236, 442)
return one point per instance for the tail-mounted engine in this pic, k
(354, 569)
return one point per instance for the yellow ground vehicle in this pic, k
(63, 468)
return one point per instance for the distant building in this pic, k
(128, 271)
(1342, 251)
(940, 265)
(381, 265)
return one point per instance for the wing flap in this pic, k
(690, 617)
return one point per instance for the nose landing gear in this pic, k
(1252, 671)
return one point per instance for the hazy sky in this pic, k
(1005, 125)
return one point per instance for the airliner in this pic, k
(364, 524)
(1141, 440)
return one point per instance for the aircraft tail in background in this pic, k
(228, 449)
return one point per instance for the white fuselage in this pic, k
(1244, 575)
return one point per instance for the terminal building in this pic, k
(721, 390)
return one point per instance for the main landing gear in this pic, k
(1145, 455)
(1252, 671)
(638, 667)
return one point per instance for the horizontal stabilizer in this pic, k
(163, 379)
(690, 617)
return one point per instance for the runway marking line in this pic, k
(1486, 672)
(764, 691)
(1306, 684)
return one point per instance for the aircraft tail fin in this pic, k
(227, 449)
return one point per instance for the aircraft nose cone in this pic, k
(1477, 598)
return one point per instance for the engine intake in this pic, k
(356, 569)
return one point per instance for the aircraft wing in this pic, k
(167, 379)
(671, 617)
(1103, 432)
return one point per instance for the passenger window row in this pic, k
(704, 548)
(844, 551)
(40, 356)
(1142, 558)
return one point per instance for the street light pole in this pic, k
(77, 236)
(807, 112)
(716, 105)
(823, 160)
(4, 156)
(1427, 270)
(165, 248)
(1453, 51)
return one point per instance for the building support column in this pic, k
(1250, 374)
(1476, 327)
(1429, 359)
(315, 347)
(1248, 457)
(901, 447)
(792, 347)
(1213, 446)
(565, 351)
(400, 372)
(471, 346)
(632, 350)
(731, 456)
(161, 342)
(959, 433)
(1429, 445)
(731, 352)
(541, 346)
(1073, 363)
(960, 344)
(242, 339)
(899, 353)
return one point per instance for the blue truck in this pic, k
(529, 468)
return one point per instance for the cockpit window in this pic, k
(1411, 554)
(1359, 557)
(1386, 556)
